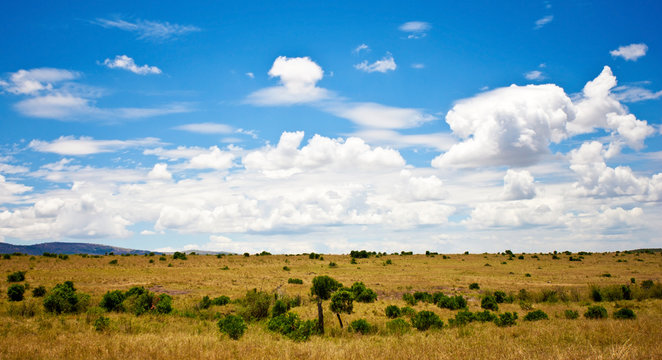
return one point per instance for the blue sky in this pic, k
(295, 126)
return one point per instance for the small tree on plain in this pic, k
(342, 302)
(321, 289)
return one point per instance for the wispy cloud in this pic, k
(149, 30)
(630, 94)
(206, 128)
(543, 21)
(127, 63)
(630, 52)
(362, 47)
(534, 75)
(69, 145)
(30, 82)
(387, 63)
(415, 29)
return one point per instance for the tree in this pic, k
(342, 302)
(321, 289)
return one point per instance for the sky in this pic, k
(299, 126)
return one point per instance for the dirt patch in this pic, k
(160, 289)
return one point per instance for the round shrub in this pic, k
(409, 299)
(571, 314)
(15, 292)
(485, 316)
(595, 312)
(16, 276)
(506, 319)
(233, 326)
(101, 323)
(221, 300)
(279, 308)
(474, 286)
(489, 303)
(112, 301)
(398, 327)
(361, 326)
(392, 311)
(536, 315)
(39, 291)
(425, 320)
(64, 299)
(204, 303)
(162, 304)
(407, 311)
(624, 313)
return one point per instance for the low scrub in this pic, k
(392, 312)
(362, 326)
(291, 326)
(489, 303)
(624, 313)
(571, 314)
(255, 305)
(506, 319)
(363, 294)
(15, 292)
(17, 276)
(64, 298)
(398, 327)
(232, 325)
(596, 312)
(137, 301)
(294, 281)
(425, 320)
(536, 315)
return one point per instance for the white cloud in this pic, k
(31, 82)
(418, 66)
(298, 79)
(630, 52)
(518, 185)
(8, 190)
(631, 94)
(286, 159)
(69, 145)
(439, 141)
(206, 128)
(507, 126)
(514, 126)
(534, 75)
(214, 158)
(160, 172)
(379, 116)
(127, 63)
(387, 63)
(362, 47)
(149, 30)
(543, 21)
(416, 29)
(250, 75)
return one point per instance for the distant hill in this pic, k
(66, 248)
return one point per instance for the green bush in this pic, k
(363, 294)
(279, 308)
(63, 298)
(407, 311)
(571, 314)
(398, 327)
(294, 281)
(453, 302)
(361, 326)
(462, 318)
(595, 312)
(286, 268)
(423, 296)
(233, 326)
(113, 262)
(221, 300)
(506, 319)
(489, 303)
(15, 292)
(595, 293)
(647, 284)
(162, 304)
(16, 276)
(179, 255)
(255, 305)
(536, 315)
(291, 326)
(425, 320)
(112, 301)
(624, 313)
(409, 299)
(485, 316)
(392, 311)
(138, 300)
(204, 303)
(501, 297)
(474, 286)
(39, 291)
(101, 324)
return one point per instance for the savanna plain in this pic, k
(586, 306)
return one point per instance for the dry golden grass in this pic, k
(45, 336)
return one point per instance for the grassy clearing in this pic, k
(28, 332)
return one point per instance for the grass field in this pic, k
(27, 331)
